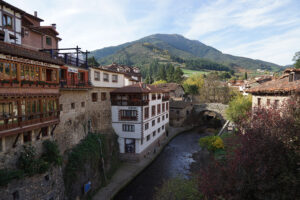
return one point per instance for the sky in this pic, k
(268, 30)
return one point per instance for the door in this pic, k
(129, 145)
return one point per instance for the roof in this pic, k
(16, 50)
(180, 104)
(169, 86)
(278, 86)
(46, 29)
(139, 88)
(124, 69)
(288, 70)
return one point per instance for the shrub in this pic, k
(6, 175)
(238, 108)
(211, 143)
(51, 153)
(178, 188)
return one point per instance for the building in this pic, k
(180, 111)
(140, 116)
(132, 75)
(29, 95)
(176, 91)
(35, 36)
(277, 91)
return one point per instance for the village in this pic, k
(72, 129)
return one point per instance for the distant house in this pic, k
(179, 112)
(276, 92)
(175, 90)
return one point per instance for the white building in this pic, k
(140, 116)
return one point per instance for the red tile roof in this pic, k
(17, 50)
(278, 86)
(139, 88)
(169, 86)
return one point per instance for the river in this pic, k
(173, 161)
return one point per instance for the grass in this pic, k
(189, 72)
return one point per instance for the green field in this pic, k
(189, 72)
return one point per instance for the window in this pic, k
(258, 101)
(163, 127)
(153, 122)
(7, 21)
(163, 107)
(146, 112)
(80, 76)
(159, 96)
(148, 137)
(268, 102)
(129, 145)
(167, 116)
(128, 114)
(72, 105)
(146, 126)
(158, 130)
(163, 118)
(153, 96)
(187, 112)
(27, 137)
(167, 106)
(114, 78)
(158, 109)
(83, 104)
(103, 96)
(94, 97)
(97, 76)
(154, 133)
(105, 77)
(158, 120)
(153, 110)
(128, 128)
(48, 40)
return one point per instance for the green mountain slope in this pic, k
(175, 49)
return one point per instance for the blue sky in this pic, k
(260, 29)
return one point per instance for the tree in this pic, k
(239, 107)
(161, 73)
(178, 75)
(245, 76)
(170, 72)
(93, 62)
(159, 82)
(297, 60)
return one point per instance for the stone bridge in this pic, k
(210, 108)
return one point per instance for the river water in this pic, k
(173, 161)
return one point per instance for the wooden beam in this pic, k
(16, 140)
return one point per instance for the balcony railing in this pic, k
(129, 102)
(75, 85)
(10, 121)
(128, 118)
(28, 84)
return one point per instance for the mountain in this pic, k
(176, 49)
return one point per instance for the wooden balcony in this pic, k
(130, 102)
(14, 124)
(165, 98)
(27, 84)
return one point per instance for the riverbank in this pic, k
(128, 171)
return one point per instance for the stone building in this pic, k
(276, 92)
(180, 111)
(140, 116)
(176, 91)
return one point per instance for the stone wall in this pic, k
(48, 186)
(179, 116)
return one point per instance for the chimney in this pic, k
(35, 13)
(53, 26)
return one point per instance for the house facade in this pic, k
(140, 116)
(176, 91)
(180, 111)
(29, 95)
(276, 92)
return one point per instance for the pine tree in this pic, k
(178, 75)
(170, 72)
